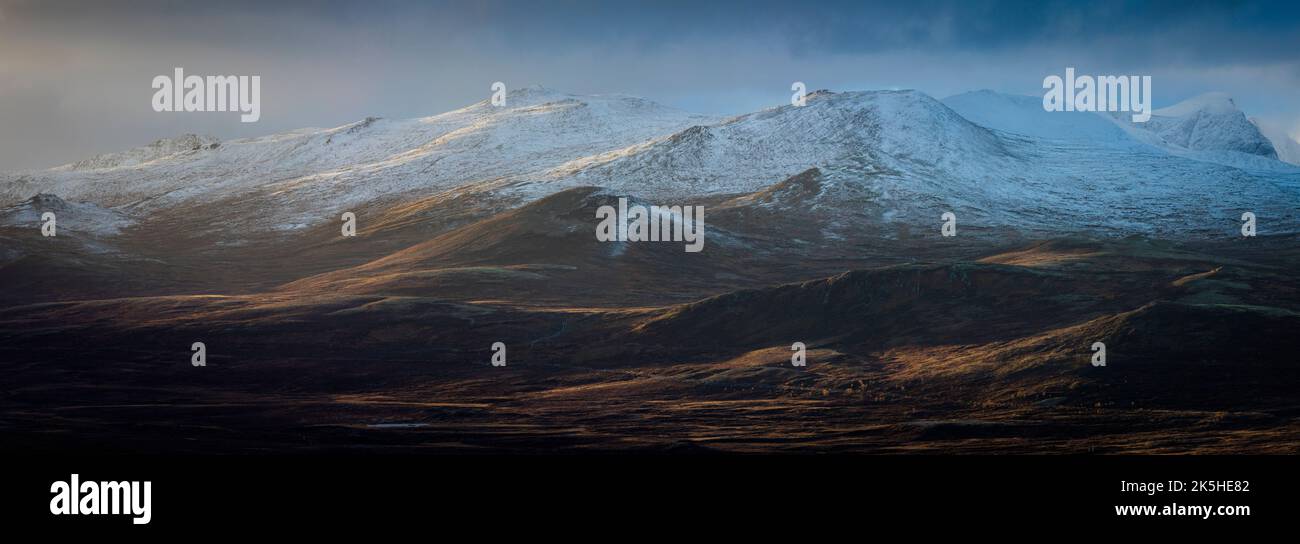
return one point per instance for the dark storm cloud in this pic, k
(1210, 31)
(74, 75)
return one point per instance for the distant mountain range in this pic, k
(998, 161)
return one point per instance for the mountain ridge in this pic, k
(916, 156)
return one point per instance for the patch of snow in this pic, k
(81, 217)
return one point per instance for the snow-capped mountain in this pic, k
(998, 161)
(83, 217)
(868, 132)
(1286, 144)
(1208, 127)
(305, 176)
(1210, 122)
(1025, 115)
(160, 149)
(918, 158)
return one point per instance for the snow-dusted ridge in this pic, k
(166, 148)
(81, 217)
(996, 160)
(1286, 143)
(1210, 122)
(1024, 115)
(873, 130)
(309, 173)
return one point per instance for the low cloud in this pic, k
(74, 76)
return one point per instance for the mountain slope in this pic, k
(1210, 122)
(1286, 145)
(546, 249)
(81, 217)
(889, 163)
(1025, 115)
(292, 180)
(867, 131)
(911, 158)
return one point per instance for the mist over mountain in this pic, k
(1284, 141)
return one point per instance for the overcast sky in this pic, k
(75, 76)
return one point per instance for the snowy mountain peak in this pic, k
(1208, 128)
(862, 132)
(819, 93)
(1214, 103)
(307, 174)
(849, 109)
(82, 217)
(362, 124)
(1210, 122)
(47, 202)
(535, 94)
(159, 149)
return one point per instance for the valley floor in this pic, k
(972, 353)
